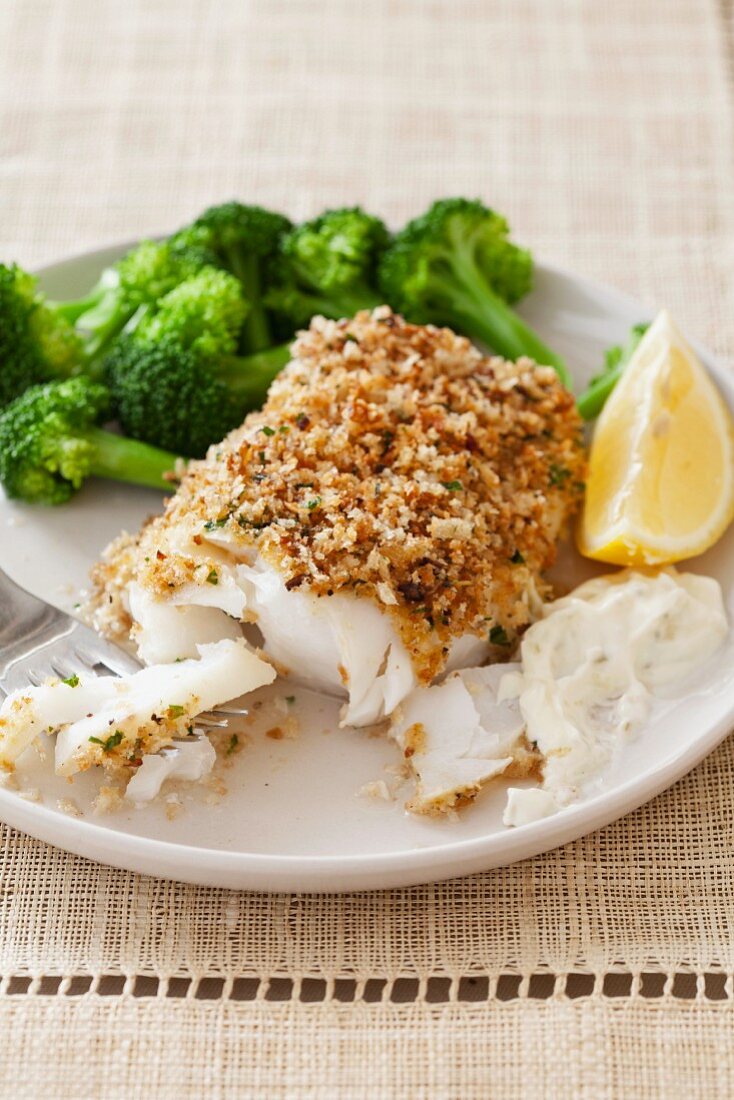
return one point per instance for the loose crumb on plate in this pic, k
(378, 789)
(108, 800)
(174, 806)
(30, 794)
(67, 806)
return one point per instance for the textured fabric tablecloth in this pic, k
(605, 131)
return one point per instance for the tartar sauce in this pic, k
(593, 665)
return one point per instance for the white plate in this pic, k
(292, 818)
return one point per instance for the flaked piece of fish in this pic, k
(113, 720)
(457, 736)
(352, 649)
(188, 760)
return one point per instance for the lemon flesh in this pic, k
(661, 469)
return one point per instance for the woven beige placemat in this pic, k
(605, 131)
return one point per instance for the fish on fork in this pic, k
(58, 676)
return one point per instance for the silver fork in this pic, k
(37, 641)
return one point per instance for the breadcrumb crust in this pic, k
(394, 462)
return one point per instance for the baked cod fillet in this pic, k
(386, 517)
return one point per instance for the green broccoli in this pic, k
(244, 239)
(592, 400)
(174, 379)
(50, 443)
(328, 266)
(35, 344)
(139, 278)
(205, 312)
(455, 265)
(175, 397)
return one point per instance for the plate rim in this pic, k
(404, 867)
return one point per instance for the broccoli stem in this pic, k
(347, 303)
(256, 334)
(72, 311)
(505, 333)
(616, 360)
(122, 459)
(593, 399)
(486, 317)
(103, 322)
(249, 377)
(344, 303)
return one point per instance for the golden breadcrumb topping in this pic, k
(107, 609)
(397, 463)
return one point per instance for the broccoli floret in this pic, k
(174, 397)
(328, 266)
(140, 278)
(204, 313)
(174, 379)
(592, 400)
(244, 239)
(50, 443)
(455, 265)
(165, 394)
(35, 343)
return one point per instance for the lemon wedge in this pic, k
(661, 469)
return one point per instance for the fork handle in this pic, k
(24, 617)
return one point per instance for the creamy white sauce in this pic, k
(593, 666)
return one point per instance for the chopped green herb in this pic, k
(558, 475)
(304, 485)
(212, 577)
(233, 744)
(290, 698)
(517, 558)
(498, 636)
(71, 681)
(262, 457)
(313, 503)
(351, 336)
(212, 524)
(452, 486)
(283, 428)
(175, 710)
(268, 431)
(109, 743)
